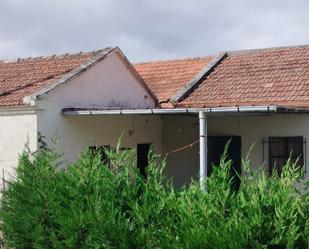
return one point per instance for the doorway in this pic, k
(142, 158)
(216, 145)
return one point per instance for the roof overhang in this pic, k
(215, 110)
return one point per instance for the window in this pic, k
(141, 155)
(102, 150)
(280, 149)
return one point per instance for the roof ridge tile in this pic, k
(265, 49)
(185, 59)
(60, 56)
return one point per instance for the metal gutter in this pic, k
(240, 109)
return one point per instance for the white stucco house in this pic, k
(187, 109)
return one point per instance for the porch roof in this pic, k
(73, 111)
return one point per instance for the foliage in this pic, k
(96, 204)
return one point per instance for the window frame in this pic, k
(267, 156)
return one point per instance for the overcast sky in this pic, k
(149, 29)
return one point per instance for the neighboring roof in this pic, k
(166, 78)
(274, 76)
(23, 77)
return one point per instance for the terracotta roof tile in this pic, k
(23, 77)
(165, 78)
(277, 76)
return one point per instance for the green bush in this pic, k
(99, 205)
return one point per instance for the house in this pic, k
(187, 108)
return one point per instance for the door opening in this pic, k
(142, 158)
(216, 145)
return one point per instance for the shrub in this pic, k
(94, 204)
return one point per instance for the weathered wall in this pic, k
(253, 129)
(78, 132)
(108, 84)
(16, 132)
(179, 131)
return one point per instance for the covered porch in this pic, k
(192, 140)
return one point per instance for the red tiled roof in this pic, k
(165, 78)
(275, 76)
(23, 77)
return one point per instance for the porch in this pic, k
(176, 137)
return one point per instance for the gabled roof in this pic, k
(268, 77)
(23, 80)
(166, 78)
(273, 76)
(23, 77)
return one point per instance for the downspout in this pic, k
(203, 149)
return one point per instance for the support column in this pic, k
(203, 148)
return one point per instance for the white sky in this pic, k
(149, 29)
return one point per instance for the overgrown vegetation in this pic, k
(92, 205)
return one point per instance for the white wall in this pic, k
(16, 132)
(179, 131)
(77, 132)
(108, 84)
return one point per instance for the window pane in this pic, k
(279, 162)
(283, 148)
(295, 146)
(277, 145)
